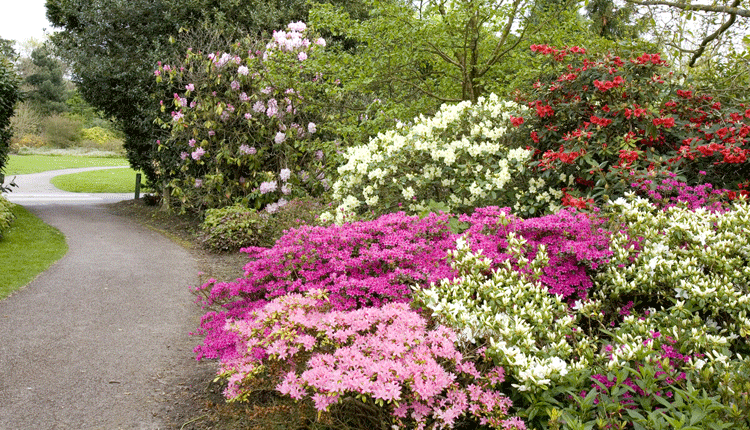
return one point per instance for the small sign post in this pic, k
(137, 186)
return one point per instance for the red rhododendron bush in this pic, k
(607, 122)
(628, 309)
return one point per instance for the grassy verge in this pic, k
(97, 181)
(23, 164)
(28, 248)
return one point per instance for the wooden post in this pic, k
(137, 186)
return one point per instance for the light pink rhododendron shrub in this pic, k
(372, 263)
(387, 355)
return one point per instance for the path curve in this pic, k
(36, 189)
(95, 341)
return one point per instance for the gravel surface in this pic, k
(100, 340)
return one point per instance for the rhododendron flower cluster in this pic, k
(606, 122)
(386, 354)
(240, 120)
(456, 160)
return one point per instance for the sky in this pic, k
(23, 19)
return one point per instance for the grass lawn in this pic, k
(98, 181)
(27, 249)
(22, 164)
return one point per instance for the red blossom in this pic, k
(516, 121)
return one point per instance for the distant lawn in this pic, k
(98, 181)
(22, 164)
(27, 249)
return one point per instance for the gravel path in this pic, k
(95, 341)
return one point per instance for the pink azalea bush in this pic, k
(388, 355)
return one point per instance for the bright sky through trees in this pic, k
(22, 20)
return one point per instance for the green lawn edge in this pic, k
(25, 164)
(28, 248)
(97, 181)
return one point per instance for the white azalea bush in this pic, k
(660, 338)
(454, 161)
(527, 329)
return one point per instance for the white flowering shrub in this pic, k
(455, 161)
(527, 330)
(681, 259)
(661, 337)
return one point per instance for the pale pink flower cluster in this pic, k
(292, 41)
(198, 153)
(384, 354)
(267, 187)
(245, 149)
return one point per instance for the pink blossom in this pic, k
(243, 70)
(198, 153)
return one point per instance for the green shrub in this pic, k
(9, 95)
(292, 215)
(98, 134)
(6, 215)
(233, 227)
(60, 131)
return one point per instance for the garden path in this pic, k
(96, 341)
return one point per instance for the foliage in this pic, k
(48, 92)
(385, 355)
(231, 228)
(61, 131)
(241, 125)
(454, 161)
(9, 95)
(414, 56)
(98, 135)
(606, 123)
(6, 215)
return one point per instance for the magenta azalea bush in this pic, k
(372, 263)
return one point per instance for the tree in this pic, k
(113, 47)
(610, 21)
(719, 17)
(48, 91)
(9, 95)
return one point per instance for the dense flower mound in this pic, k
(662, 332)
(371, 263)
(385, 354)
(456, 160)
(605, 121)
(573, 241)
